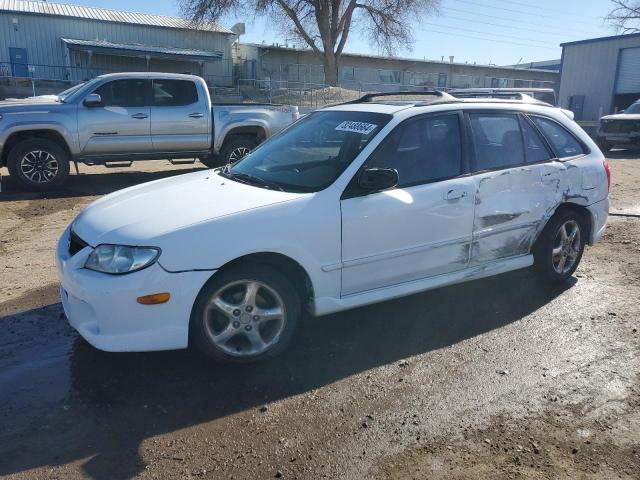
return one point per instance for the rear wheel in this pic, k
(236, 148)
(38, 163)
(245, 314)
(560, 246)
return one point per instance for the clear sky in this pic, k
(482, 31)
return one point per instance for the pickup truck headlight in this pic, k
(119, 259)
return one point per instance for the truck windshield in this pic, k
(311, 154)
(633, 108)
(62, 96)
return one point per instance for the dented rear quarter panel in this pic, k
(512, 206)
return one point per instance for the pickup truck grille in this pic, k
(621, 126)
(75, 244)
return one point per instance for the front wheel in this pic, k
(245, 315)
(560, 246)
(38, 163)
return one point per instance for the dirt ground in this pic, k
(505, 377)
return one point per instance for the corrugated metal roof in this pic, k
(106, 15)
(142, 48)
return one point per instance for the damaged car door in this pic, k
(518, 184)
(422, 226)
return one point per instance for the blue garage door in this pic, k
(19, 62)
(629, 71)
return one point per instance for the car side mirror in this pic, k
(376, 179)
(93, 100)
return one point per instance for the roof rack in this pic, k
(368, 98)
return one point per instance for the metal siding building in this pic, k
(300, 67)
(69, 42)
(600, 75)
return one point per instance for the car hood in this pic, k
(139, 214)
(622, 116)
(21, 105)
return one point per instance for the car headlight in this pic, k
(119, 259)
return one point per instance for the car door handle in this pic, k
(455, 194)
(139, 116)
(196, 115)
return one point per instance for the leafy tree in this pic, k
(325, 25)
(625, 15)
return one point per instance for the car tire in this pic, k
(560, 246)
(245, 314)
(39, 164)
(236, 147)
(212, 161)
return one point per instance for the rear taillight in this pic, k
(608, 170)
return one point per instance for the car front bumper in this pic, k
(104, 310)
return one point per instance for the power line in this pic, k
(506, 26)
(562, 12)
(486, 33)
(491, 40)
(508, 19)
(520, 12)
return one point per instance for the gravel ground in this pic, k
(499, 378)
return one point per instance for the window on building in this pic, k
(420, 79)
(173, 93)
(564, 143)
(442, 80)
(422, 150)
(124, 93)
(389, 76)
(348, 73)
(497, 140)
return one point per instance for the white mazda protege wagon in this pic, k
(353, 204)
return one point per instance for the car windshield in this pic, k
(62, 96)
(311, 154)
(633, 108)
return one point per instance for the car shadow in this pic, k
(90, 184)
(110, 403)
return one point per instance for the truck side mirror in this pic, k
(93, 100)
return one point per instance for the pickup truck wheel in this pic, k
(245, 314)
(38, 163)
(237, 147)
(560, 246)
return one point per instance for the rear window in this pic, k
(497, 140)
(563, 143)
(174, 93)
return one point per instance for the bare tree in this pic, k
(325, 25)
(625, 16)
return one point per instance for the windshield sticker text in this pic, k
(356, 127)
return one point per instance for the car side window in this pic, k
(174, 93)
(124, 93)
(497, 139)
(535, 148)
(422, 150)
(564, 143)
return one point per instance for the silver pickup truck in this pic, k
(119, 118)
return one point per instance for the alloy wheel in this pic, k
(245, 318)
(566, 247)
(238, 154)
(39, 166)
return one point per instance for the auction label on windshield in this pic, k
(357, 127)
